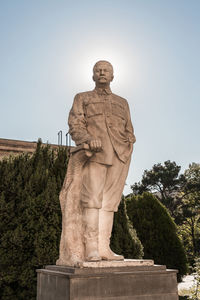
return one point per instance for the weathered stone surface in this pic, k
(120, 283)
(121, 263)
(100, 124)
(89, 270)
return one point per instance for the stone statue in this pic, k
(100, 124)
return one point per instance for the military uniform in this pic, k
(102, 115)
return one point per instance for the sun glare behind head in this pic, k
(85, 56)
(87, 59)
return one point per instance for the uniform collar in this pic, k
(103, 91)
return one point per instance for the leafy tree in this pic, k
(192, 175)
(196, 288)
(190, 225)
(163, 179)
(189, 208)
(157, 232)
(165, 182)
(170, 187)
(124, 238)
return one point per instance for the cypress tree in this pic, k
(30, 218)
(157, 232)
(124, 239)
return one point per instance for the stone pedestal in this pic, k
(125, 280)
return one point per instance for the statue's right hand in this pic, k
(95, 145)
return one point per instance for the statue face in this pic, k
(103, 73)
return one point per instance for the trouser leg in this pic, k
(91, 223)
(114, 185)
(94, 176)
(105, 229)
(115, 180)
(93, 182)
(101, 192)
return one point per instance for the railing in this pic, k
(60, 138)
(68, 139)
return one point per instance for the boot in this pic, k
(91, 222)
(105, 229)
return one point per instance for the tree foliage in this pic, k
(165, 182)
(189, 213)
(157, 232)
(196, 288)
(30, 218)
(124, 238)
(192, 175)
(180, 193)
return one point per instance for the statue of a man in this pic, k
(101, 120)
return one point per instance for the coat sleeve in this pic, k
(129, 126)
(77, 122)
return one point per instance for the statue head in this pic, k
(103, 73)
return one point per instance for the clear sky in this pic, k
(48, 49)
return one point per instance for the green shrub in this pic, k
(30, 218)
(157, 232)
(124, 239)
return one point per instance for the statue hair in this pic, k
(105, 62)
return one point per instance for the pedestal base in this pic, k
(119, 282)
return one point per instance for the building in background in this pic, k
(15, 147)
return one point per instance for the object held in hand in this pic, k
(84, 146)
